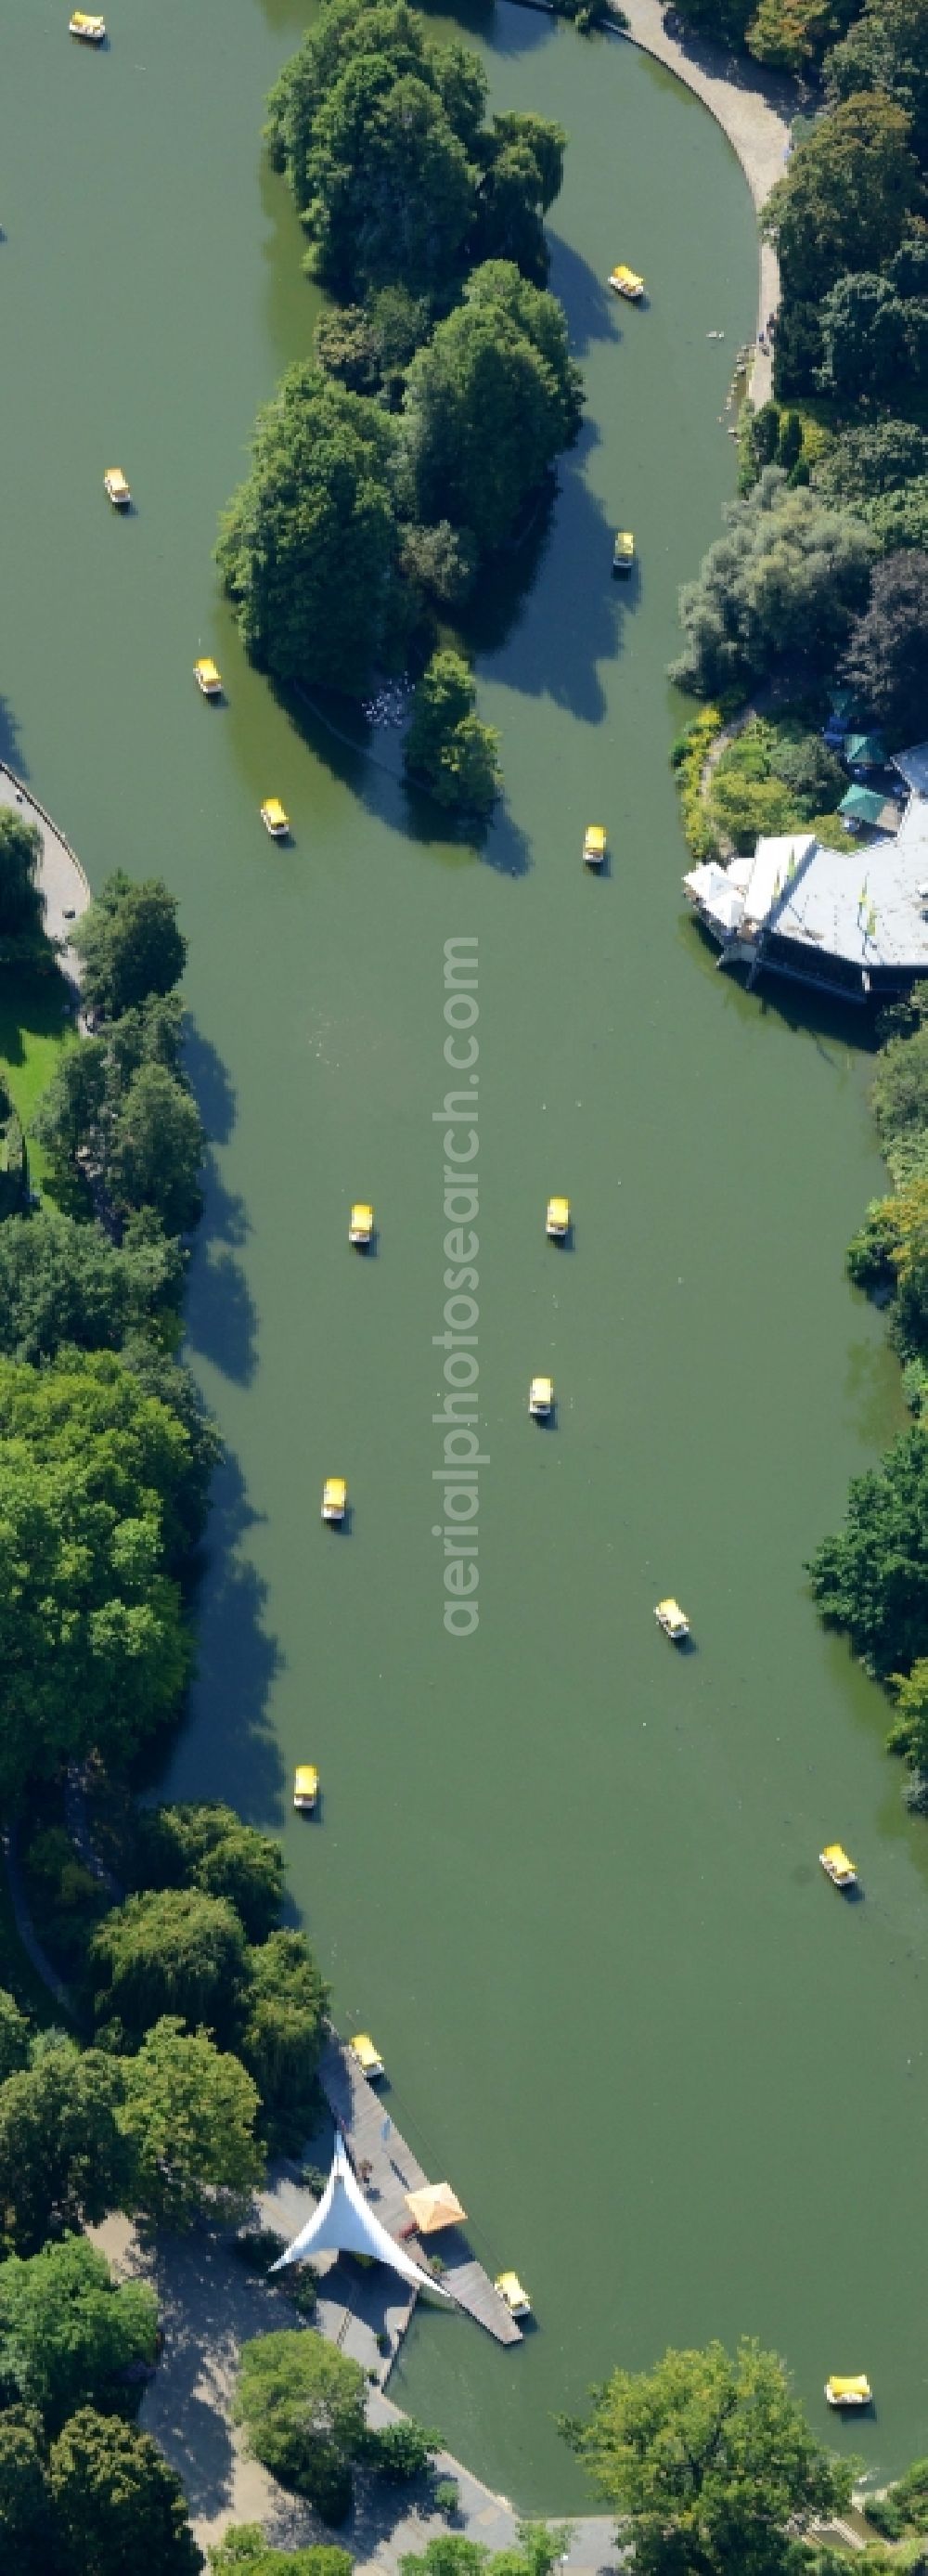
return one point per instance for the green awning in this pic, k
(862, 805)
(864, 751)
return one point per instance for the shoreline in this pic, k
(754, 110)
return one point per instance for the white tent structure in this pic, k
(344, 2223)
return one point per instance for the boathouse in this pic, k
(852, 921)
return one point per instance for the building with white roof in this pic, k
(852, 921)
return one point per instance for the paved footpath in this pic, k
(61, 876)
(209, 2305)
(753, 107)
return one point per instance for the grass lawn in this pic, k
(35, 1023)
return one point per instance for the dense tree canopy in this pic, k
(843, 201)
(392, 190)
(842, 204)
(889, 1255)
(771, 779)
(399, 181)
(129, 944)
(490, 402)
(210, 1847)
(885, 50)
(65, 1282)
(281, 2033)
(307, 547)
(785, 579)
(710, 2458)
(871, 1579)
(900, 1105)
(887, 653)
(865, 338)
(168, 1951)
(117, 2505)
(25, 2502)
(63, 2157)
(446, 747)
(119, 1112)
(69, 2334)
(93, 1649)
(14, 2036)
(156, 1149)
(189, 2115)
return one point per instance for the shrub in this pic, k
(401, 2452)
(691, 752)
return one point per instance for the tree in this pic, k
(786, 578)
(117, 2503)
(909, 1731)
(900, 519)
(710, 2459)
(446, 746)
(870, 1579)
(62, 2156)
(495, 378)
(789, 33)
(450, 2553)
(69, 2334)
(441, 560)
(392, 189)
(189, 2118)
(889, 1256)
(169, 1951)
(352, 40)
(281, 2034)
(307, 546)
(157, 1149)
(70, 1110)
(14, 2036)
(301, 2402)
(401, 2452)
(245, 2548)
(185, 1504)
(899, 1099)
(523, 174)
(93, 1650)
(887, 653)
(861, 464)
(884, 50)
(22, 903)
(24, 2495)
(209, 1847)
(65, 1282)
(129, 944)
(864, 337)
(843, 201)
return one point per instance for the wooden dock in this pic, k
(388, 2169)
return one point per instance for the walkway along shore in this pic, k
(65, 888)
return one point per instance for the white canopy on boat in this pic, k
(344, 2223)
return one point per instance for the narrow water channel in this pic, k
(568, 1880)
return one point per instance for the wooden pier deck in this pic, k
(388, 2169)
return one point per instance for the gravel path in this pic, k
(753, 107)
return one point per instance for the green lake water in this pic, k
(568, 1879)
